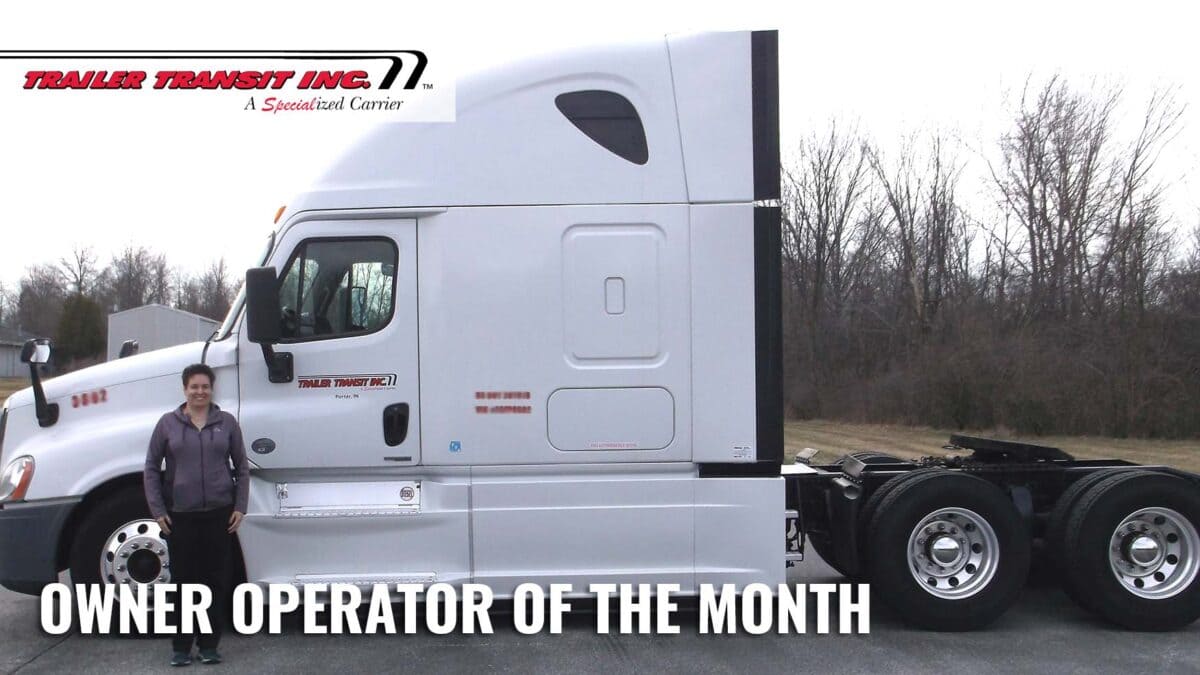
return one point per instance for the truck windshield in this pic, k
(235, 307)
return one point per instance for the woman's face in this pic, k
(198, 391)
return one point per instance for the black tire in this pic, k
(917, 496)
(97, 525)
(1090, 533)
(101, 521)
(1055, 539)
(104, 518)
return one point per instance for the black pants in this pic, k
(200, 551)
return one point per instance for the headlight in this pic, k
(15, 481)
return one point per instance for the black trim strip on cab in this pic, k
(764, 77)
(768, 334)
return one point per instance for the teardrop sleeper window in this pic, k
(609, 119)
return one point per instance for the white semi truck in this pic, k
(543, 343)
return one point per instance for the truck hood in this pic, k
(121, 371)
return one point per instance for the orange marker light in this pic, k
(23, 482)
(279, 213)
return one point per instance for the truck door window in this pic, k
(338, 287)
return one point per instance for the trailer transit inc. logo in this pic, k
(369, 381)
(400, 83)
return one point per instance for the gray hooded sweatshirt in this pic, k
(197, 476)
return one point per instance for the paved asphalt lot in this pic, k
(1044, 632)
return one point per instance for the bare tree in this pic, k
(79, 269)
(1136, 240)
(215, 290)
(831, 239)
(131, 278)
(1054, 181)
(8, 306)
(187, 292)
(161, 280)
(928, 234)
(1070, 314)
(40, 300)
(208, 294)
(1193, 257)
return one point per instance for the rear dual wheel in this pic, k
(1054, 559)
(1131, 550)
(945, 550)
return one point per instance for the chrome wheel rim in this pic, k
(953, 553)
(135, 553)
(1153, 553)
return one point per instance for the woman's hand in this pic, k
(164, 524)
(235, 519)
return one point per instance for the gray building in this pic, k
(11, 341)
(155, 327)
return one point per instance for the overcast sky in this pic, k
(197, 186)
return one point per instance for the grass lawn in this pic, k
(10, 384)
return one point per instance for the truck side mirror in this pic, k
(262, 321)
(128, 348)
(36, 351)
(262, 305)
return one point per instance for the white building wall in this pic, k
(155, 327)
(10, 361)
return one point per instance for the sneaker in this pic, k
(181, 659)
(209, 656)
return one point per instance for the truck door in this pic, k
(349, 301)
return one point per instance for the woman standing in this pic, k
(196, 501)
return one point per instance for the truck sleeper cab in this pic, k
(543, 343)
